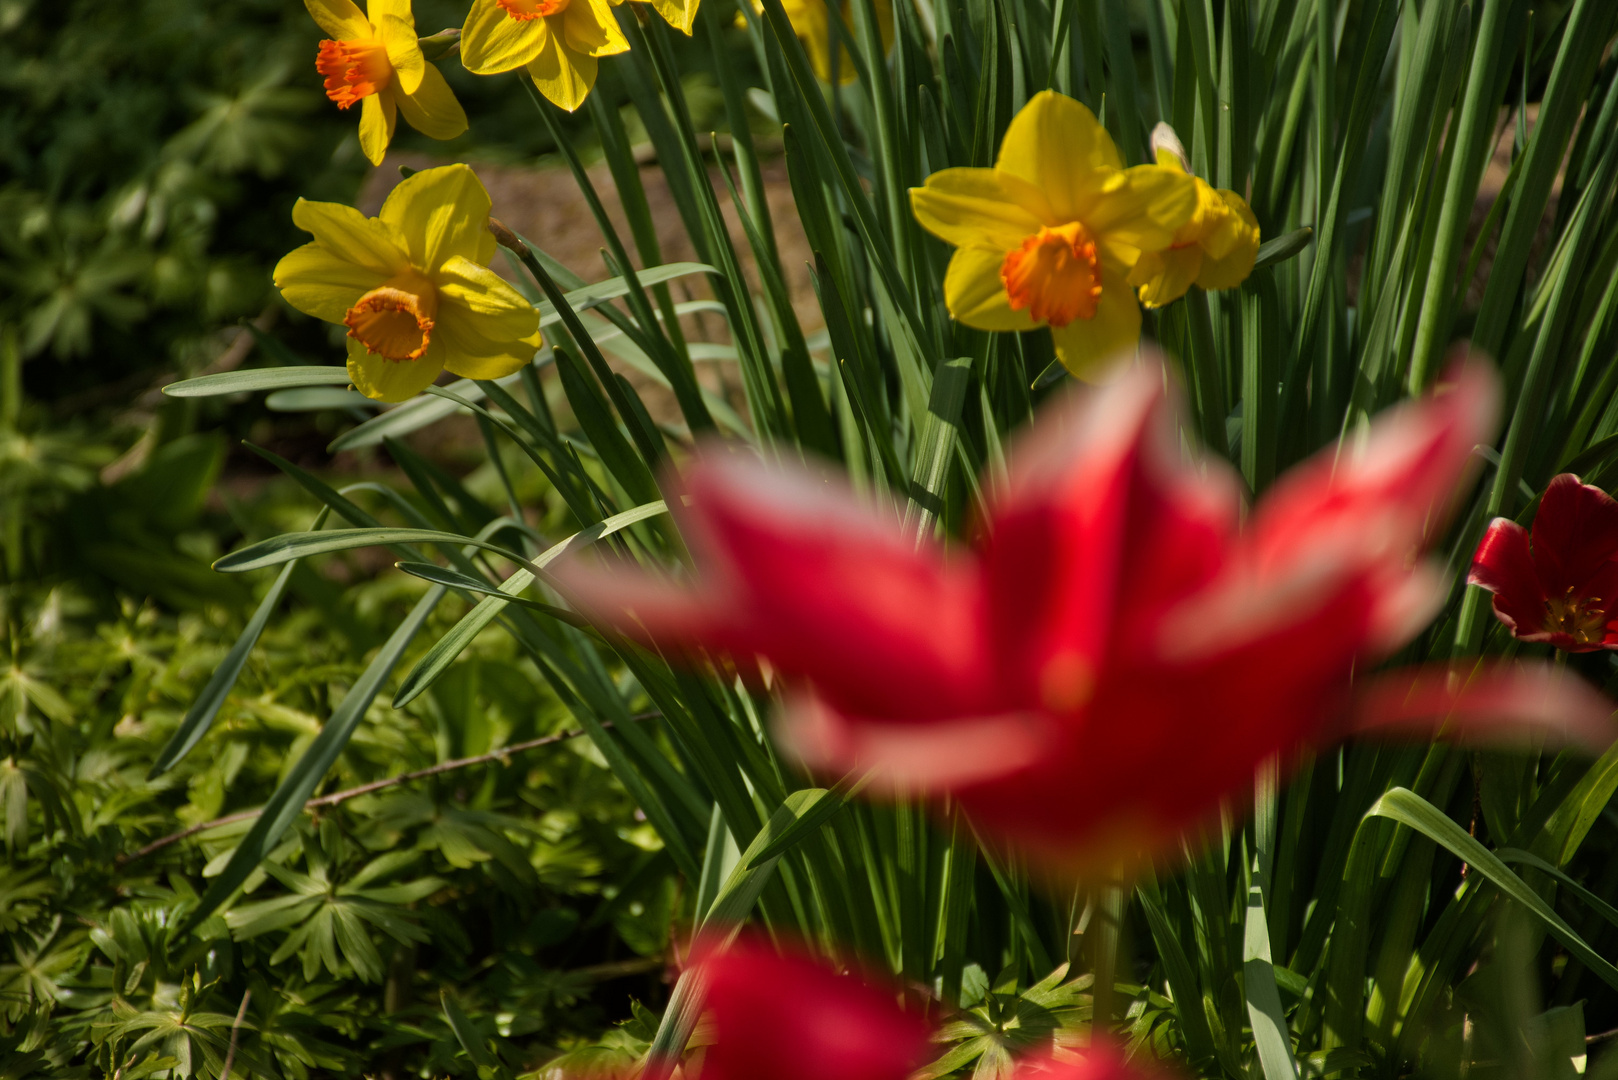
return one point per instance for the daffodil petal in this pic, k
(1175, 270)
(393, 380)
(381, 9)
(590, 27)
(492, 41)
(1091, 348)
(404, 52)
(351, 236)
(680, 14)
(378, 115)
(1140, 208)
(1058, 146)
(562, 75)
(1232, 268)
(485, 294)
(433, 109)
(441, 213)
(969, 206)
(342, 19)
(976, 295)
(319, 282)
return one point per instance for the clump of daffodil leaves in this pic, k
(412, 285)
(1060, 233)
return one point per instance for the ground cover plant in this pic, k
(913, 659)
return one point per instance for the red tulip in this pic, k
(1559, 584)
(1117, 654)
(789, 1017)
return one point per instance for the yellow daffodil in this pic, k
(412, 285)
(810, 22)
(1214, 250)
(373, 58)
(558, 41)
(1048, 236)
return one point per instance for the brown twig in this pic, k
(375, 785)
(235, 1029)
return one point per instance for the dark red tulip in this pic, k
(790, 1017)
(1560, 583)
(1117, 654)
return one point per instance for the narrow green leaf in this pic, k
(241, 382)
(1408, 808)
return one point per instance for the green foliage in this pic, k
(1389, 911)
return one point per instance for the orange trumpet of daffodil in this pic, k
(373, 58)
(1214, 250)
(412, 285)
(1049, 235)
(558, 41)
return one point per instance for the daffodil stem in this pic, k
(1106, 924)
(1208, 387)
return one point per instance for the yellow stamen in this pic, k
(1055, 275)
(1580, 617)
(523, 10)
(353, 69)
(395, 321)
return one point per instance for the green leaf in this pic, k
(241, 382)
(286, 803)
(1408, 808)
(448, 647)
(1283, 247)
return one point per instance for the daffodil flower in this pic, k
(373, 58)
(810, 22)
(1214, 250)
(412, 285)
(558, 41)
(1048, 236)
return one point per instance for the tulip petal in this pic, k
(975, 294)
(1492, 704)
(590, 28)
(1057, 145)
(1575, 533)
(319, 282)
(493, 42)
(1090, 348)
(342, 19)
(968, 206)
(795, 567)
(790, 1017)
(1504, 566)
(433, 109)
(441, 213)
(562, 75)
(351, 236)
(378, 115)
(404, 52)
(1392, 487)
(931, 758)
(392, 380)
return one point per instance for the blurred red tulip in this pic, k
(790, 1017)
(1117, 655)
(1559, 584)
